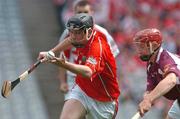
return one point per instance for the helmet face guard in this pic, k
(143, 50)
(147, 57)
(148, 37)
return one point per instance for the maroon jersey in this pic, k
(166, 63)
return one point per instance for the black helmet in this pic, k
(80, 21)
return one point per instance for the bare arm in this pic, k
(163, 87)
(62, 76)
(64, 45)
(83, 70)
(63, 80)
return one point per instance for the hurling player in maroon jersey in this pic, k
(163, 71)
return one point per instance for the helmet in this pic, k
(148, 35)
(80, 21)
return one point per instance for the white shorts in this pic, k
(95, 109)
(174, 111)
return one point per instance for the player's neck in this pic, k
(153, 58)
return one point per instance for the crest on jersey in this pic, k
(83, 59)
(92, 60)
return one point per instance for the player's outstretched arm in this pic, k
(83, 70)
(46, 55)
(162, 88)
(61, 46)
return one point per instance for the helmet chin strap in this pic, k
(89, 30)
(150, 47)
(147, 57)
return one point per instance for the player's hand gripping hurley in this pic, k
(8, 86)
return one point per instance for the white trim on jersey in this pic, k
(177, 61)
(159, 54)
(100, 46)
(110, 69)
(174, 57)
(113, 46)
(105, 87)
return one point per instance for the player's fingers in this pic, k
(141, 112)
(41, 55)
(43, 60)
(46, 56)
(53, 61)
(64, 89)
(57, 61)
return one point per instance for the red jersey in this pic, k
(103, 85)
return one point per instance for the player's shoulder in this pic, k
(162, 55)
(100, 29)
(99, 35)
(165, 57)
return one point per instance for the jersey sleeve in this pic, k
(172, 68)
(113, 45)
(170, 65)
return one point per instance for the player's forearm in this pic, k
(163, 87)
(64, 45)
(83, 70)
(146, 93)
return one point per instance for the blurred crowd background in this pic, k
(30, 26)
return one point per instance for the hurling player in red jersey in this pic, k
(66, 77)
(96, 91)
(163, 71)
